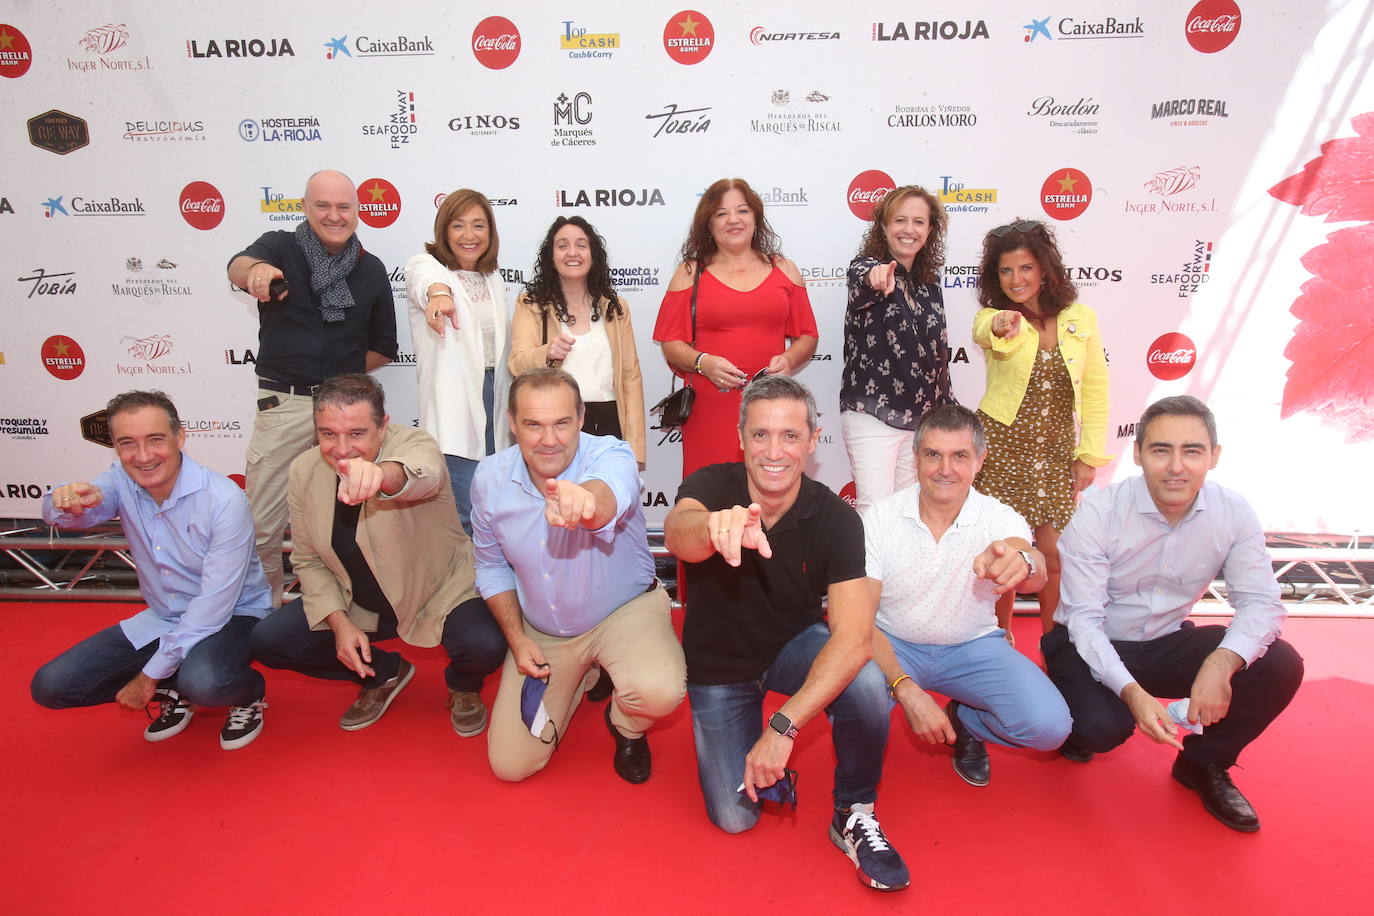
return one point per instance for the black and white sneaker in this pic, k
(242, 726)
(856, 832)
(174, 714)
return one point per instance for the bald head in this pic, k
(331, 208)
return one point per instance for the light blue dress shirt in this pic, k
(194, 553)
(1127, 575)
(567, 581)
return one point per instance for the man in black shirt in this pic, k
(762, 543)
(334, 314)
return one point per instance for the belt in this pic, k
(270, 385)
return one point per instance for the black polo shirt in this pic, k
(296, 346)
(739, 618)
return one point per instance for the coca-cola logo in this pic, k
(63, 357)
(866, 190)
(202, 205)
(496, 42)
(850, 494)
(1212, 25)
(15, 54)
(1066, 194)
(1171, 356)
(379, 203)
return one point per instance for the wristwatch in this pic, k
(1030, 564)
(783, 725)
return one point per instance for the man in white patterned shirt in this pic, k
(940, 553)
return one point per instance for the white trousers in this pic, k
(880, 456)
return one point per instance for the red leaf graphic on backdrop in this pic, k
(1339, 182)
(1332, 350)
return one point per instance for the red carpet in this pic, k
(406, 817)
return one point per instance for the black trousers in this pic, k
(601, 418)
(1166, 667)
(473, 640)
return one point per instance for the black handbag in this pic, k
(674, 410)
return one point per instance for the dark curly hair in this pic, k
(931, 257)
(545, 289)
(700, 247)
(1037, 238)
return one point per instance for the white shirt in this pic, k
(589, 361)
(930, 594)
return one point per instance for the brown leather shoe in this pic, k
(372, 702)
(467, 713)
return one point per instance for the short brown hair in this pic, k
(701, 247)
(343, 390)
(540, 378)
(455, 204)
(931, 257)
(133, 400)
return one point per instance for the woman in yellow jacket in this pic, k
(1045, 363)
(570, 316)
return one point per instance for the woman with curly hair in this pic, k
(896, 349)
(459, 324)
(569, 316)
(752, 314)
(1045, 363)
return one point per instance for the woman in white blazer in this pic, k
(461, 330)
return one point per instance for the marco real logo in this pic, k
(379, 203)
(689, 37)
(202, 205)
(1065, 194)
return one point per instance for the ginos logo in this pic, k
(496, 42)
(15, 54)
(202, 205)
(63, 357)
(379, 203)
(1171, 356)
(850, 494)
(1212, 25)
(866, 190)
(689, 37)
(1066, 194)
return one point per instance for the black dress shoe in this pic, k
(632, 759)
(970, 754)
(1070, 751)
(1221, 798)
(602, 688)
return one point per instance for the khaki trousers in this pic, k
(279, 434)
(639, 650)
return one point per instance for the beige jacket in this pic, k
(413, 542)
(526, 352)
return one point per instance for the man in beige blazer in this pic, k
(380, 554)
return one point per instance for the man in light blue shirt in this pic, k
(1136, 556)
(563, 562)
(191, 535)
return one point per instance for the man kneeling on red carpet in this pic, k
(1136, 557)
(762, 543)
(191, 535)
(380, 554)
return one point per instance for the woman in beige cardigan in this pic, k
(570, 316)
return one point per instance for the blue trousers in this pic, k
(727, 720)
(215, 671)
(460, 470)
(1003, 696)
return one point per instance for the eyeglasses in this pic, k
(1026, 225)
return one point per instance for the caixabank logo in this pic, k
(367, 46)
(1066, 194)
(15, 54)
(80, 205)
(689, 37)
(379, 203)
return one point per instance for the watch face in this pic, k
(780, 723)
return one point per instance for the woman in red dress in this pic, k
(752, 314)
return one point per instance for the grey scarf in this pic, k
(329, 272)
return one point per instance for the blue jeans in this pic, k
(1003, 696)
(727, 719)
(460, 470)
(473, 641)
(215, 672)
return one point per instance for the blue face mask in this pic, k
(532, 711)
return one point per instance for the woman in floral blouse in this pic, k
(896, 351)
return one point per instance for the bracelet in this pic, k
(696, 366)
(429, 296)
(892, 688)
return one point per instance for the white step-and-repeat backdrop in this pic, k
(147, 142)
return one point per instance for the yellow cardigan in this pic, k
(1010, 360)
(526, 352)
